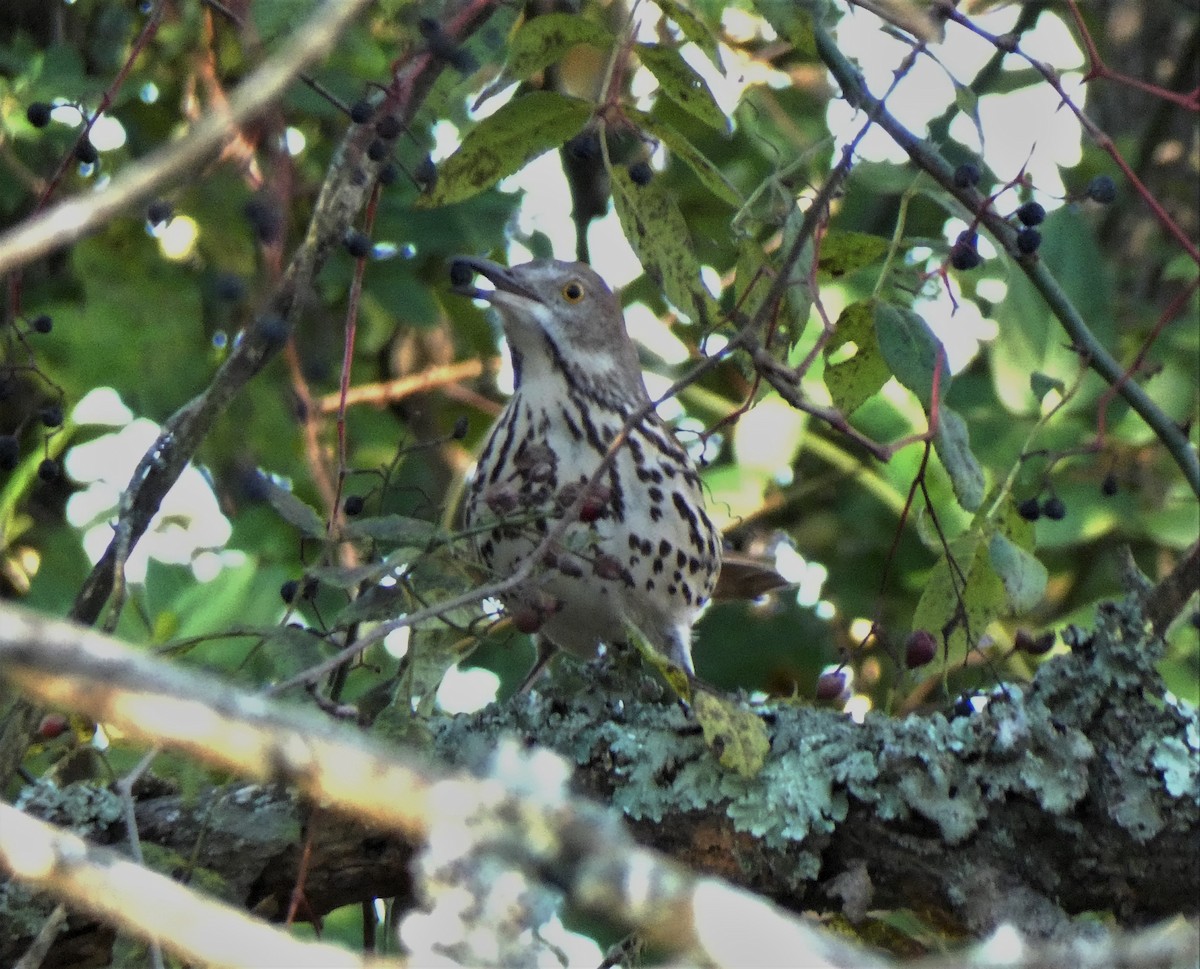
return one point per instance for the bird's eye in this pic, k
(572, 292)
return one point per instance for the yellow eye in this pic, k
(572, 292)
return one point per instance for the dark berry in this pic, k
(378, 149)
(1102, 189)
(274, 329)
(388, 127)
(38, 114)
(52, 725)
(591, 510)
(964, 256)
(48, 469)
(287, 591)
(1054, 509)
(461, 426)
(265, 218)
(460, 273)
(10, 452)
(42, 324)
(361, 111)
(1109, 486)
(389, 173)
(527, 619)
(51, 415)
(1028, 240)
(86, 152)
(229, 287)
(358, 244)
(966, 175)
(920, 648)
(426, 174)
(1026, 642)
(831, 685)
(1196, 619)
(353, 505)
(640, 173)
(584, 147)
(1030, 510)
(1031, 213)
(159, 211)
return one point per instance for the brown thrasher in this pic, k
(643, 552)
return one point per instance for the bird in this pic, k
(642, 552)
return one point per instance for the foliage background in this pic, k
(155, 328)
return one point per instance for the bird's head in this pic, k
(560, 318)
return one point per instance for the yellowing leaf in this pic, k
(737, 737)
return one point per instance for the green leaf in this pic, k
(911, 351)
(541, 41)
(1031, 339)
(394, 529)
(1041, 385)
(984, 597)
(1024, 577)
(682, 84)
(792, 21)
(844, 252)
(506, 141)
(953, 445)
(692, 27)
(292, 510)
(854, 377)
(659, 235)
(710, 176)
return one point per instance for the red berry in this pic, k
(831, 685)
(920, 648)
(53, 725)
(527, 619)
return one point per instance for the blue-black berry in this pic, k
(460, 273)
(10, 452)
(1102, 189)
(426, 174)
(353, 505)
(159, 211)
(287, 591)
(461, 426)
(1109, 486)
(963, 254)
(361, 111)
(378, 149)
(640, 173)
(42, 324)
(51, 415)
(966, 175)
(388, 127)
(389, 172)
(1031, 213)
(48, 470)
(358, 244)
(265, 218)
(1054, 508)
(1030, 509)
(38, 114)
(229, 287)
(86, 152)
(1028, 240)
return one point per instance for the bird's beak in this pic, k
(463, 270)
